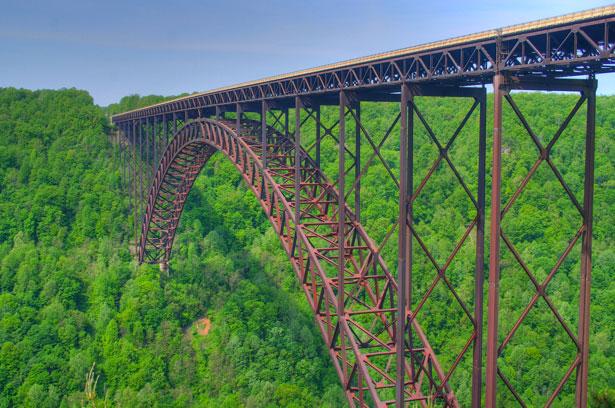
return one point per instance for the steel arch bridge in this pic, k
(357, 299)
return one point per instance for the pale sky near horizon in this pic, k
(113, 48)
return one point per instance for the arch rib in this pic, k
(366, 366)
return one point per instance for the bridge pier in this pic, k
(410, 113)
(503, 87)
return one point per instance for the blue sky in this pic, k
(116, 48)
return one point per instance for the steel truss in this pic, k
(340, 268)
(409, 192)
(353, 293)
(578, 45)
(503, 86)
(381, 359)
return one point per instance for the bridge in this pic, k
(278, 132)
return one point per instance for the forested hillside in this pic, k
(73, 300)
(71, 297)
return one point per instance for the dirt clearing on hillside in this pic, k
(202, 326)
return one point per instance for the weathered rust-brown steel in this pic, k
(503, 86)
(586, 251)
(405, 243)
(575, 44)
(366, 313)
(494, 247)
(477, 361)
(404, 240)
(347, 297)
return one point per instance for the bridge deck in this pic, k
(573, 44)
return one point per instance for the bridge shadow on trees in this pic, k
(263, 342)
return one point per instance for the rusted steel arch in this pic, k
(181, 163)
(361, 337)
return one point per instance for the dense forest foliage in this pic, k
(72, 299)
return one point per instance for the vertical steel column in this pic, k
(165, 129)
(318, 137)
(410, 159)
(174, 123)
(264, 110)
(118, 144)
(479, 276)
(286, 131)
(586, 248)
(123, 156)
(128, 158)
(120, 154)
(126, 162)
(134, 180)
(115, 140)
(494, 246)
(219, 113)
(238, 111)
(298, 107)
(357, 164)
(403, 253)
(141, 164)
(341, 203)
(155, 138)
(147, 153)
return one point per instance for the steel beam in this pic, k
(357, 162)
(124, 136)
(341, 219)
(148, 169)
(135, 195)
(505, 84)
(479, 274)
(238, 114)
(141, 176)
(165, 129)
(404, 242)
(297, 170)
(264, 112)
(155, 153)
(318, 136)
(494, 245)
(586, 247)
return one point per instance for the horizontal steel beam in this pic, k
(580, 43)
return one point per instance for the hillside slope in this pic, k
(71, 297)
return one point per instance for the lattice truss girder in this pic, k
(572, 48)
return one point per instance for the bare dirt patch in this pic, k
(203, 325)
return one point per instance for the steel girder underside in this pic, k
(356, 315)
